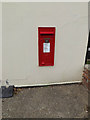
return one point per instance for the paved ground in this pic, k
(62, 101)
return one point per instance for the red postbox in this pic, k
(46, 45)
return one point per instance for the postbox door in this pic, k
(46, 46)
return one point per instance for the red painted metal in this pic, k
(46, 45)
(46, 32)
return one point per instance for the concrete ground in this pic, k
(62, 101)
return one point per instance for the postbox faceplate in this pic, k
(46, 45)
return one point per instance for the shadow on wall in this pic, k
(87, 60)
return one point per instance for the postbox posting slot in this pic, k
(46, 33)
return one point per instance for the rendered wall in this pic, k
(0, 58)
(89, 15)
(0, 43)
(20, 42)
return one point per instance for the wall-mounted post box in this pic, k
(46, 45)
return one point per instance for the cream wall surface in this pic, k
(20, 42)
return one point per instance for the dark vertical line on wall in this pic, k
(88, 45)
(88, 52)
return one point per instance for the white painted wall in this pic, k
(89, 15)
(0, 57)
(20, 42)
(0, 43)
